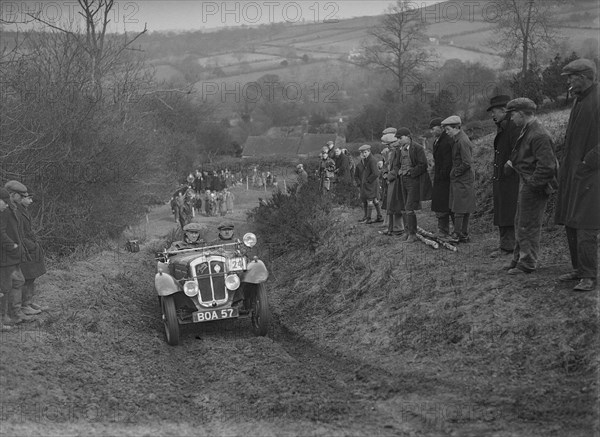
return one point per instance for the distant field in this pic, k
(235, 58)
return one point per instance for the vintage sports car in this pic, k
(208, 283)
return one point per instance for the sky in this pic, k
(178, 15)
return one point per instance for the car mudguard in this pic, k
(165, 284)
(256, 273)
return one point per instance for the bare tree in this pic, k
(526, 28)
(399, 43)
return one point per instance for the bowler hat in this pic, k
(521, 104)
(16, 187)
(580, 66)
(435, 122)
(500, 100)
(4, 195)
(403, 132)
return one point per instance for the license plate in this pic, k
(207, 316)
(238, 263)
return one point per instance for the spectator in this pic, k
(330, 149)
(462, 178)
(415, 185)
(394, 203)
(342, 166)
(534, 160)
(229, 198)
(302, 176)
(442, 165)
(505, 187)
(578, 204)
(326, 170)
(368, 175)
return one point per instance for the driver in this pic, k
(191, 237)
(226, 231)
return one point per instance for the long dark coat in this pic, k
(578, 200)
(505, 186)
(368, 175)
(462, 177)
(342, 168)
(36, 267)
(442, 158)
(11, 233)
(394, 200)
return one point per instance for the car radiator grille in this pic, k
(211, 281)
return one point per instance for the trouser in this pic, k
(444, 221)
(528, 227)
(28, 292)
(410, 222)
(11, 283)
(507, 238)
(461, 224)
(583, 248)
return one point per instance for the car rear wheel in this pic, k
(169, 316)
(261, 314)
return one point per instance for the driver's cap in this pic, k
(194, 227)
(225, 226)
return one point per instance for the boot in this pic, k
(458, 226)
(369, 213)
(406, 225)
(390, 225)
(365, 216)
(412, 228)
(398, 224)
(464, 232)
(443, 227)
(379, 218)
(386, 221)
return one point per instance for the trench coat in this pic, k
(418, 164)
(442, 158)
(36, 267)
(462, 177)
(505, 186)
(368, 175)
(578, 199)
(11, 233)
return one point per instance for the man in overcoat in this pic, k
(415, 185)
(534, 159)
(393, 202)
(36, 267)
(462, 178)
(342, 166)
(505, 186)
(578, 201)
(368, 175)
(440, 192)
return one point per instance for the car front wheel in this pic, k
(261, 314)
(169, 316)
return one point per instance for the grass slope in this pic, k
(521, 352)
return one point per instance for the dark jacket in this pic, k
(418, 170)
(442, 158)
(11, 233)
(368, 175)
(36, 267)
(533, 157)
(462, 177)
(505, 185)
(342, 168)
(578, 204)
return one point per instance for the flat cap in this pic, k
(16, 187)
(4, 195)
(225, 226)
(389, 130)
(580, 66)
(194, 227)
(453, 119)
(364, 147)
(330, 143)
(403, 132)
(497, 101)
(388, 138)
(521, 104)
(435, 122)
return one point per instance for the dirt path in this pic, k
(97, 364)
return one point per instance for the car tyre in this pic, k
(261, 313)
(169, 316)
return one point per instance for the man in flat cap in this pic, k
(462, 178)
(505, 186)
(192, 237)
(12, 254)
(577, 203)
(390, 185)
(534, 159)
(367, 173)
(410, 165)
(442, 165)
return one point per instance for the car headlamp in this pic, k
(190, 288)
(232, 282)
(250, 239)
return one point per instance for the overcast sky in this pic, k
(163, 15)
